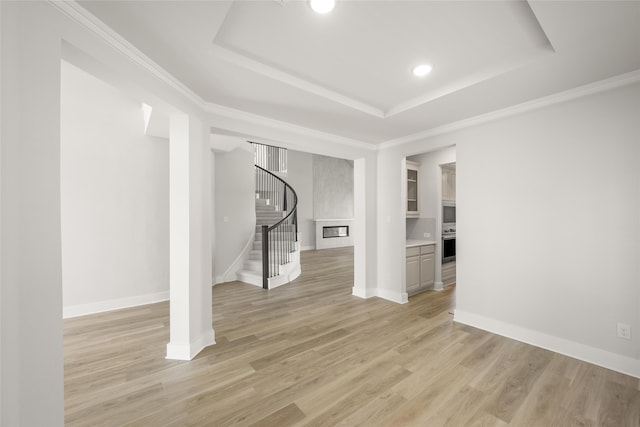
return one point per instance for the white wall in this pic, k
(549, 227)
(114, 199)
(234, 208)
(300, 177)
(538, 195)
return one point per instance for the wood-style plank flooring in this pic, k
(311, 354)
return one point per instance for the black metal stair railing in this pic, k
(278, 240)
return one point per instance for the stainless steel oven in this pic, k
(448, 247)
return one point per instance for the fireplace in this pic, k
(332, 231)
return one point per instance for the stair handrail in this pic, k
(292, 216)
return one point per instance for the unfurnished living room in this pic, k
(319, 212)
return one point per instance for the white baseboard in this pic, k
(364, 293)
(617, 362)
(307, 248)
(113, 304)
(191, 350)
(399, 297)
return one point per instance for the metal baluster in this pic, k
(265, 257)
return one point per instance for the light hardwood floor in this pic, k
(310, 353)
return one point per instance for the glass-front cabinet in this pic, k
(412, 189)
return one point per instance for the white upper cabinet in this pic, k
(413, 173)
(449, 183)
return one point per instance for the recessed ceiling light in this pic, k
(322, 6)
(422, 70)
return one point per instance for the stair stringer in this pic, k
(231, 273)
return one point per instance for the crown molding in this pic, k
(463, 83)
(233, 113)
(90, 22)
(536, 104)
(244, 61)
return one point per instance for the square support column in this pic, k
(364, 239)
(365, 274)
(189, 239)
(31, 354)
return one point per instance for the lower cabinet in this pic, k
(449, 273)
(420, 268)
(413, 273)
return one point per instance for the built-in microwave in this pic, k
(448, 213)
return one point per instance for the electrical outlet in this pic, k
(427, 234)
(624, 331)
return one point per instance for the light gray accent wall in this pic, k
(332, 187)
(300, 177)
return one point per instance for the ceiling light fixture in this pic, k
(322, 6)
(422, 70)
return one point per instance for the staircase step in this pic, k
(284, 227)
(249, 277)
(267, 221)
(271, 214)
(268, 208)
(254, 265)
(273, 218)
(269, 211)
(265, 207)
(257, 245)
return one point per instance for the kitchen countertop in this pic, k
(414, 243)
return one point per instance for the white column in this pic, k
(365, 275)
(391, 227)
(31, 268)
(360, 229)
(190, 239)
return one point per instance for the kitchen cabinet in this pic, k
(413, 173)
(427, 266)
(413, 270)
(420, 268)
(449, 273)
(449, 183)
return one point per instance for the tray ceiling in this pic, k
(348, 72)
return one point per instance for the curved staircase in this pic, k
(275, 257)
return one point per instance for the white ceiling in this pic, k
(348, 73)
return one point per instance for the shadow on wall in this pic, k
(234, 206)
